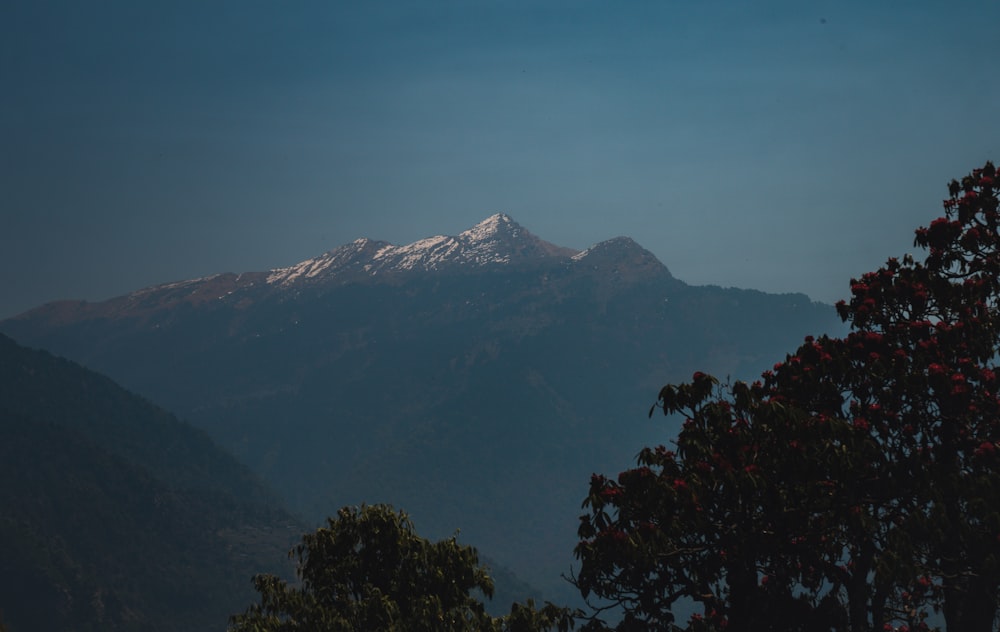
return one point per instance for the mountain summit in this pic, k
(497, 240)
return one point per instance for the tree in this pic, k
(932, 333)
(369, 570)
(733, 520)
(854, 486)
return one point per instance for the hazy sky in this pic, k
(783, 146)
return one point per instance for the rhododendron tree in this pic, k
(732, 519)
(931, 331)
(854, 487)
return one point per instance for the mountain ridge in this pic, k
(496, 240)
(494, 244)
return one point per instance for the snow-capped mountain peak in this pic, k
(491, 227)
(497, 240)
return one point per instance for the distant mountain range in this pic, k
(475, 381)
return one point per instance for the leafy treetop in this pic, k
(369, 570)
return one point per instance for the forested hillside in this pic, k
(117, 516)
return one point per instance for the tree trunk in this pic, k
(970, 605)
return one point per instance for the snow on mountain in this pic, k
(497, 240)
(348, 256)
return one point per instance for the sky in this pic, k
(784, 146)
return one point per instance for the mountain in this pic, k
(475, 381)
(117, 516)
(496, 241)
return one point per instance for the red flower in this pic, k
(985, 448)
(610, 493)
(958, 384)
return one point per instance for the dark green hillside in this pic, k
(115, 515)
(38, 385)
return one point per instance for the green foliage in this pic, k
(369, 570)
(853, 487)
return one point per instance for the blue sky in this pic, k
(783, 146)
